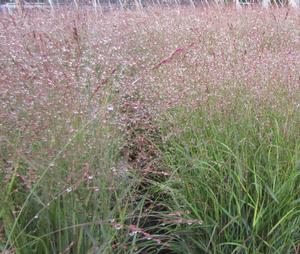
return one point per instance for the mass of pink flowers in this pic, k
(62, 65)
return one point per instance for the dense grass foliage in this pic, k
(240, 177)
(154, 131)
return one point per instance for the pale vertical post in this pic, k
(19, 5)
(294, 3)
(137, 4)
(265, 3)
(94, 2)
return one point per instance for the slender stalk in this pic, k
(192, 3)
(76, 4)
(51, 4)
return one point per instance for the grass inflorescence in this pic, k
(154, 131)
